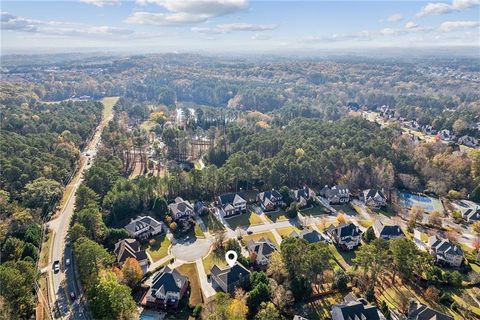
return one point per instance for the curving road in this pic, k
(63, 283)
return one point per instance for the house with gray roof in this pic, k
(471, 215)
(303, 195)
(182, 213)
(144, 227)
(387, 232)
(374, 198)
(261, 250)
(445, 252)
(310, 235)
(130, 248)
(232, 203)
(338, 194)
(269, 200)
(230, 278)
(347, 236)
(168, 288)
(358, 309)
(419, 311)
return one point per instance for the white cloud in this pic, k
(186, 12)
(229, 27)
(261, 36)
(438, 8)
(102, 3)
(411, 25)
(448, 26)
(395, 17)
(60, 28)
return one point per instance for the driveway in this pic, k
(189, 251)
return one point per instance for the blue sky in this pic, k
(235, 25)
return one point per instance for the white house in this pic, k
(445, 252)
(374, 198)
(336, 195)
(144, 227)
(346, 236)
(232, 204)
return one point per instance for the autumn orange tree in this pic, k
(132, 272)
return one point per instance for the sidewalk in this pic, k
(206, 286)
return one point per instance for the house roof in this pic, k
(230, 275)
(373, 194)
(270, 195)
(338, 191)
(472, 214)
(129, 248)
(142, 222)
(232, 198)
(263, 247)
(444, 246)
(348, 230)
(356, 310)
(180, 206)
(388, 230)
(168, 280)
(304, 192)
(311, 236)
(418, 311)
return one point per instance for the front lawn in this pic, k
(315, 210)
(365, 223)
(212, 259)
(344, 259)
(258, 236)
(157, 247)
(345, 208)
(198, 232)
(211, 223)
(244, 220)
(190, 270)
(276, 216)
(285, 232)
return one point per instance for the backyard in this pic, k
(190, 270)
(276, 216)
(244, 220)
(345, 208)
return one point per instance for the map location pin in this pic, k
(231, 257)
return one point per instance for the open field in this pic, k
(157, 247)
(108, 103)
(212, 259)
(190, 270)
(244, 219)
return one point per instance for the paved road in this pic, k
(58, 290)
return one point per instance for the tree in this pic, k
(276, 268)
(340, 280)
(85, 197)
(373, 257)
(369, 235)
(34, 235)
(111, 300)
(257, 295)
(435, 219)
(77, 231)
(237, 310)
(123, 200)
(132, 272)
(292, 210)
(404, 256)
(217, 308)
(432, 294)
(41, 192)
(29, 250)
(415, 215)
(267, 311)
(385, 310)
(91, 258)
(91, 218)
(12, 249)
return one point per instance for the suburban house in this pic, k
(182, 212)
(387, 232)
(445, 135)
(144, 227)
(310, 235)
(230, 278)
(232, 203)
(428, 129)
(346, 236)
(374, 198)
(269, 200)
(445, 252)
(168, 288)
(355, 309)
(468, 141)
(130, 248)
(303, 195)
(200, 208)
(418, 311)
(412, 124)
(471, 215)
(336, 195)
(261, 250)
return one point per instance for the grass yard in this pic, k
(323, 226)
(387, 211)
(46, 247)
(244, 219)
(258, 236)
(212, 259)
(190, 270)
(211, 223)
(276, 216)
(365, 223)
(199, 232)
(469, 252)
(285, 232)
(344, 259)
(157, 247)
(316, 210)
(346, 209)
(321, 307)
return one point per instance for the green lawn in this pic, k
(157, 247)
(387, 211)
(211, 223)
(316, 210)
(365, 223)
(212, 259)
(345, 208)
(244, 219)
(199, 232)
(258, 236)
(321, 307)
(190, 270)
(285, 232)
(342, 258)
(276, 216)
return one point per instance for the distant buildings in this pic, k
(346, 236)
(130, 248)
(269, 200)
(168, 288)
(230, 278)
(387, 232)
(261, 250)
(336, 195)
(445, 252)
(232, 204)
(355, 309)
(144, 227)
(418, 311)
(374, 198)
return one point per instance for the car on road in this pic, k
(56, 266)
(72, 295)
(67, 262)
(87, 154)
(249, 232)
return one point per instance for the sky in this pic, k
(235, 25)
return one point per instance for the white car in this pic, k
(56, 266)
(67, 262)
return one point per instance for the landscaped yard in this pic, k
(244, 219)
(211, 223)
(315, 210)
(345, 208)
(276, 216)
(343, 258)
(258, 236)
(212, 259)
(157, 247)
(365, 223)
(199, 232)
(321, 307)
(285, 232)
(190, 270)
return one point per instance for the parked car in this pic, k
(72, 295)
(249, 232)
(56, 266)
(67, 262)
